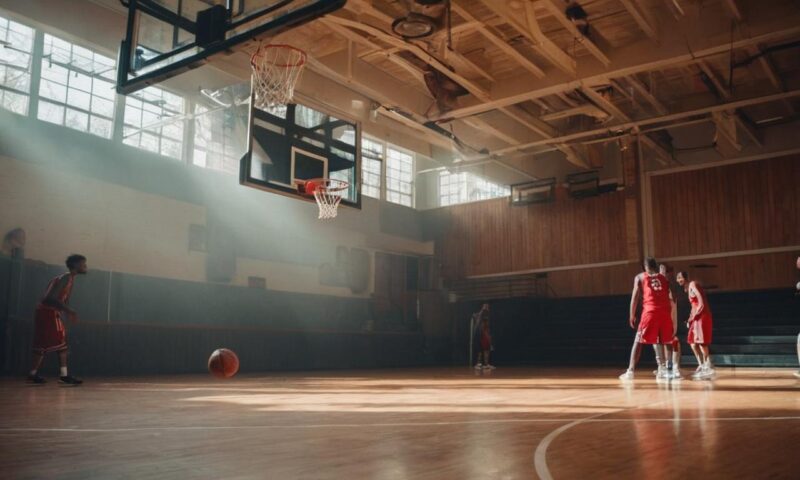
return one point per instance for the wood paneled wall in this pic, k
(731, 208)
(494, 237)
(744, 206)
(746, 272)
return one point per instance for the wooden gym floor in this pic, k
(426, 423)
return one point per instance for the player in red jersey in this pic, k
(699, 323)
(655, 326)
(49, 334)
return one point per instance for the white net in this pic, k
(276, 69)
(328, 194)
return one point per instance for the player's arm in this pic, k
(51, 298)
(634, 300)
(701, 304)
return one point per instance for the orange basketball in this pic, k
(311, 186)
(223, 363)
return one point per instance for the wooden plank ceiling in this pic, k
(529, 79)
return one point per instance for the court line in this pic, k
(540, 455)
(547, 439)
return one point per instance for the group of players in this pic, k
(658, 325)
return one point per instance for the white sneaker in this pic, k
(478, 366)
(796, 374)
(655, 372)
(709, 372)
(676, 374)
(628, 375)
(698, 373)
(489, 367)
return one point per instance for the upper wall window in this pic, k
(154, 121)
(16, 47)
(77, 87)
(219, 137)
(462, 187)
(399, 176)
(371, 161)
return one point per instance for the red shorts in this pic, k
(486, 342)
(700, 331)
(655, 327)
(49, 334)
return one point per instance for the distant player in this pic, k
(49, 334)
(655, 326)
(699, 323)
(483, 339)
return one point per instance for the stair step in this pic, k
(746, 360)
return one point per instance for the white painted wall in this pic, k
(126, 230)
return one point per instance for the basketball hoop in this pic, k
(276, 69)
(327, 192)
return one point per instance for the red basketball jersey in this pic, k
(655, 290)
(696, 302)
(64, 294)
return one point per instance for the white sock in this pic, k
(63, 371)
(33, 372)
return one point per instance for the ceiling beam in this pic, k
(642, 90)
(631, 60)
(390, 54)
(642, 18)
(455, 30)
(663, 119)
(529, 28)
(558, 12)
(480, 124)
(541, 128)
(715, 80)
(434, 62)
(587, 109)
(475, 122)
(662, 154)
(489, 33)
(738, 120)
(772, 74)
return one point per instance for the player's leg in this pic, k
(64, 376)
(666, 334)
(636, 352)
(708, 367)
(661, 360)
(676, 357)
(36, 363)
(486, 364)
(698, 354)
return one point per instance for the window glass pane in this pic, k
(72, 77)
(15, 65)
(154, 121)
(50, 112)
(399, 176)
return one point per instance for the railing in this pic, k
(535, 285)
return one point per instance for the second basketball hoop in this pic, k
(276, 70)
(328, 193)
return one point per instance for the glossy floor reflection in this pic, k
(425, 423)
